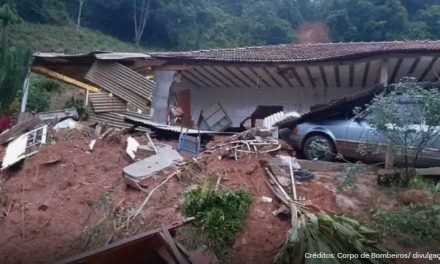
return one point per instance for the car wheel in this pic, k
(319, 148)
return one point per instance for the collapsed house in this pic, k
(214, 90)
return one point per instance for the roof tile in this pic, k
(302, 52)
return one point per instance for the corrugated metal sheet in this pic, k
(103, 102)
(176, 129)
(114, 119)
(122, 55)
(123, 82)
(66, 55)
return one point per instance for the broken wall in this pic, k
(240, 102)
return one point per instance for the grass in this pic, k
(66, 39)
(410, 225)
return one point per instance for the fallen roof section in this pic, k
(168, 128)
(342, 105)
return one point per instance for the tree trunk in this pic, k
(78, 20)
(140, 16)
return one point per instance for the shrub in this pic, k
(415, 222)
(220, 214)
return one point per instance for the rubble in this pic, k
(18, 129)
(132, 146)
(24, 146)
(66, 124)
(160, 179)
(139, 171)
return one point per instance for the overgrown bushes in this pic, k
(220, 214)
(412, 224)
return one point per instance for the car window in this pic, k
(412, 109)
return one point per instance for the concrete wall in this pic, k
(239, 103)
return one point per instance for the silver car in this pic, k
(351, 138)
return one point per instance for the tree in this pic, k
(14, 62)
(431, 17)
(78, 19)
(140, 15)
(408, 117)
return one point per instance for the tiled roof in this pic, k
(302, 52)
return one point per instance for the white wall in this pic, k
(239, 103)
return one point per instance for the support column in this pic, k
(86, 103)
(384, 80)
(24, 98)
(164, 80)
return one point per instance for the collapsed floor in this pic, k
(67, 200)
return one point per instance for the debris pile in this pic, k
(82, 166)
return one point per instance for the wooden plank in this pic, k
(18, 129)
(184, 102)
(214, 77)
(359, 70)
(222, 76)
(237, 76)
(337, 77)
(351, 78)
(231, 77)
(396, 70)
(281, 78)
(309, 75)
(237, 71)
(58, 76)
(374, 73)
(295, 73)
(366, 73)
(196, 79)
(192, 80)
(203, 78)
(433, 75)
(316, 74)
(172, 245)
(252, 77)
(271, 78)
(262, 79)
(413, 67)
(428, 69)
(330, 75)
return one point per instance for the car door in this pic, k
(362, 141)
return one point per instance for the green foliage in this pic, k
(430, 16)
(348, 177)
(413, 223)
(40, 93)
(407, 116)
(201, 24)
(41, 11)
(419, 181)
(220, 214)
(8, 16)
(48, 38)
(80, 107)
(330, 234)
(14, 62)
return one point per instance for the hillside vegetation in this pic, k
(48, 38)
(202, 24)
